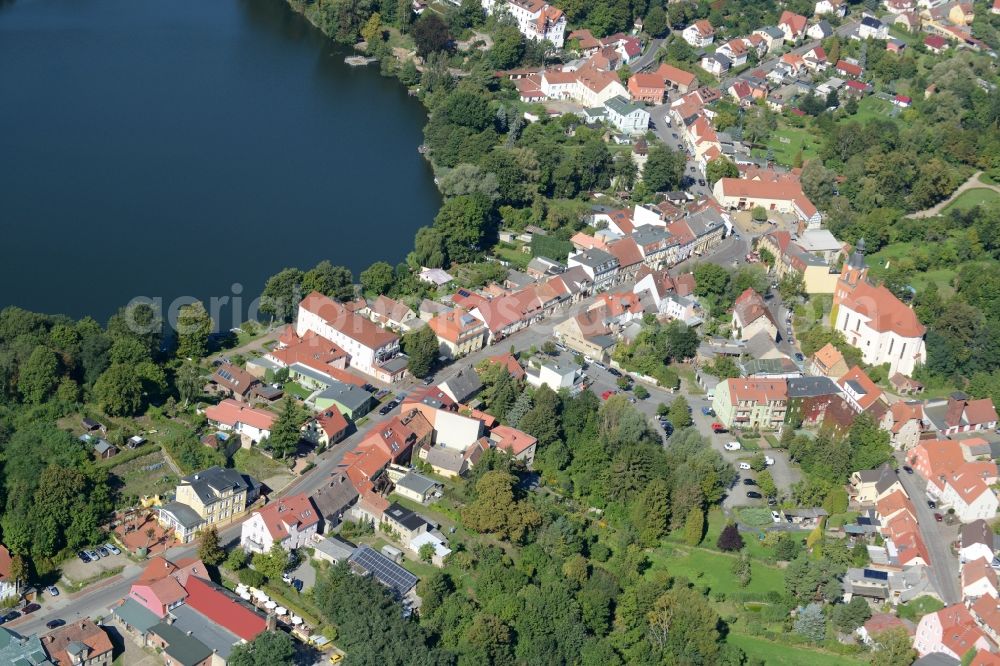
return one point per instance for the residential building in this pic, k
(458, 333)
(588, 85)
(871, 28)
(537, 20)
(520, 445)
(959, 414)
(510, 362)
(860, 392)
(699, 34)
(253, 425)
(334, 499)
(367, 561)
(555, 373)
(878, 624)
(751, 404)
(326, 428)
(234, 382)
(391, 313)
(828, 362)
(587, 333)
(626, 116)
(904, 421)
(965, 486)
(652, 87)
(791, 258)
(979, 579)
(462, 386)
(214, 495)
(350, 400)
(808, 397)
(8, 586)
(871, 485)
(81, 643)
(160, 587)
(835, 7)
(951, 631)
(873, 320)
(716, 63)
(416, 487)
(372, 349)
(21, 650)
(290, 522)
(773, 193)
(600, 266)
(977, 542)
(793, 26)
(751, 316)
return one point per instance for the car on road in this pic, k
(708, 411)
(744, 465)
(52, 590)
(11, 616)
(30, 608)
(388, 407)
(54, 624)
(931, 504)
(428, 381)
(718, 428)
(771, 501)
(799, 357)
(588, 359)
(607, 394)
(701, 181)
(938, 517)
(113, 548)
(907, 469)
(753, 494)
(84, 557)
(749, 482)
(614, 373)
(732, 446)
(775, 516)
(673, 134)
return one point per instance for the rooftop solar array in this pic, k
(385, 570)
(876, 575)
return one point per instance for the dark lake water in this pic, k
(170, 149)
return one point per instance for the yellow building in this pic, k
(209, 497)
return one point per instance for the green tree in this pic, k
(508, 46)
(694, 526)
(372, 30)
(252, 578)
(429, 249)
(743, 568)
(655, 23)
(664, 169)
(811, 623)
(464, 224)
(270, 648)
(237, 559)
(287, 428)
(426, 552)
(683, 627)
(272, 563)
(334, 281)
(730, 539)
(378, 278)
(19, 571)
(766, 483)
(193, 328)
(421, 346)
(895, 648)
(430, 34)
(119, 391)
(188, 382)
(496, 510)
(650, 513)
(759, 214)
(792, 286)
(721, 167)
(680, 413)
(39, 375)
(209, 550)
(848, 617)
(282, 293)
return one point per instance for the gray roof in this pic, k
(871, 22)
(335, 548)
(622, 106)
(463, 385)
(396, 363)
(825, 26)
(335, 497)
(185, 650)
(445, 458)
(519, 279)
(593, 258)
(383, 569)
(811, 387)
(773, 32)
(769, 366)
(417, 483)
(184, 514)
(705, 221)
(937, 659)
(102, 446)
(647, 234)
(408, 519)
(315, 375)
(721, 59)
(209, 484)
(21, 651)
(350, 396)
(760, 344)
(265, 363)
(214, 636)
(136, 615)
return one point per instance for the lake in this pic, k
(172, 149)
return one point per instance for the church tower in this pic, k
(854, 271)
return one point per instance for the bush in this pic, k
(759, 214)
(730, 539)
(251, 578)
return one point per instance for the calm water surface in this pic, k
(167, 149)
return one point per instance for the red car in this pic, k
(718, 427)
(607, 394)
(938, 517)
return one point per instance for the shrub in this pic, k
(251, 578)
(730, 539)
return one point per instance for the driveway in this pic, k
(943, 569)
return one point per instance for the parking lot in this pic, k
(76, 571)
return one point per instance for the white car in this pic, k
(775, 516)
(768, 460)
(114, 549)
(744, 465)
(732, 446)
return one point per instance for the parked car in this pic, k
(54, 624)
(718, 428)
(93, 555)
(701, 181)
(52, 590)
(614, 373)
(768, 460)
(938, 517)
(607, 394)
(30, 608)
(113, 548)
(907, 469)
(708, 411)
(297, 584)
(428, 381)
(103, 551)
(749, 482)
(744, 465)
(799, 357)
(931, 504)
(387, 407)
(83, 556)
(753, 494)
(732, 446)
(775, 516)
(11, 616)
(771, 501)
(286, 578)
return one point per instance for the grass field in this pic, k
(786, 142)
(257, 465)
(138, 481)
(919, 607)
(296, 390)
(941, 276)
(517, 258)
(872, 107)
(776, 654)
(972, 198)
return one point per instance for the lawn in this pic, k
(940, 276)
(916, 609)
(517, 258)
(872, 107)
(786, 142)
(297, 390)
(776, 654)
(257, 465)
(147, 475)
(971, 198)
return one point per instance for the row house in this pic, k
(861, 393)
(957, 482)
(751, 404)
(951, 631)
(289, 522)
(960, 414)
(652, 87)
(458, 333)
(875, 321)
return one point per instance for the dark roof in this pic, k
(185, 650)
(350, 396)
(384, 570)
(212, 482)
(978, 531)
(871, 22)
(335, 497)
(464, 384)
(811, 387)
(184, 514)
(405, 517)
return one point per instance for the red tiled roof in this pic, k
(229, 412)
(935, 41)
(83, 631)
(758, 391)
(332, 422)
(348, 323)
(849, 68)
(959, 632)
(224, 610)
(512, 440)
(512, 364)
(872, 392)
(884, 311)
(454, 325)
(796, 22)
(626, 251)
(297, 510)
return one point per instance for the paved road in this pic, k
(647, 59)
(943, 569)
(973, 183)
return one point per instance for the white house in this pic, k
(536, 20)
(8, 586)
(976, 542)
(371, 348)
(290, 521)
(699, 34)
(556, 374)
(601, 267)
(951, 631)
(626, 116)
(253, 424)
(588, 85)
(968, 494)
(716, 64)
(871, 28)
(792, 25)
(835, 7)
(874, 321)
(979, 579)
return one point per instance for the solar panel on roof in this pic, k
(463, 292)
(863, 520)
(225, 375)
(876, 575)
(385, 570)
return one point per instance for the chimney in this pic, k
(272, 622)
